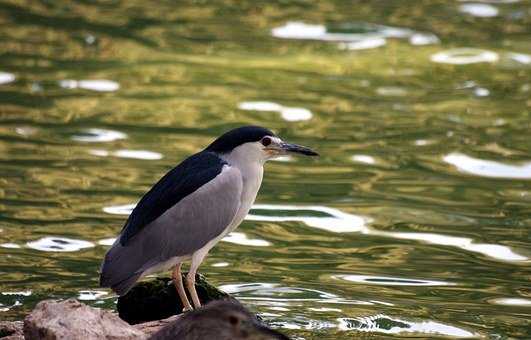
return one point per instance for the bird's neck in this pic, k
(252, 171)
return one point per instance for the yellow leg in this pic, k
(178, 282)
(197, 258)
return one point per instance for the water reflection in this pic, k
(99, 135)
(423, 39)
(91, 295)
(511, 302)
(341, 222)
(99, 85)
(520, 58)
(479, 10)
(392, 91)
(4, 308)
(290, 114)
(486, 168)
(19, 293)
(6, 78)
(276, 294)
(25, 131)
(59, 244)
(463, 56)
(241, 238)
(119, 209)
(10, 245)
(107, 241)
(381, 323)
(481, 92)
(353, 36)
(389, 281)
(363, 44)
(364, 159)
(135, 154)
(179, 74)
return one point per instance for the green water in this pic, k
(414, 222)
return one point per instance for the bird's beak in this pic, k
(294, 148)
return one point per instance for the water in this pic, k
(414, 222)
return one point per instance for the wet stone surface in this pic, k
(157, 299)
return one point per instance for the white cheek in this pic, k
(248, 152)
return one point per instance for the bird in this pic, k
(220, 320)
(191, 208)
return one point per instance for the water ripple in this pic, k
(479, 10)
(99, 135)
(385, 324)
(119, 209)
(511, 302)
(107, 241)
(135, 154)
(91, 295)
(18, 293)
(290, 114)
(364, 159)
(99, 85)
(463, 56)
(10, 245)
(6, 78)
(340, 222)
(389, 281)
(242, 239)
(486, 168)
(59, 244)
(352, 36)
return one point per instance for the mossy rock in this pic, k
(157, 299)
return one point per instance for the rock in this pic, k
(11, 330)
(151, 327)
(220, 320)
(157, 299)
(70, 319)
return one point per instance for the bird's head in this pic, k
(254, 143)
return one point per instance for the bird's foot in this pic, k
(187, 309)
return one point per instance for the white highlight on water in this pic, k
(6, 78)
(123, 153)
(372, 324)
(99, 85)
(241, 238)
(59, 244)
(463, 56)
(290, 114)
(488, 168)
(479, 10)
(99, 135)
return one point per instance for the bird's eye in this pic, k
(266, 141)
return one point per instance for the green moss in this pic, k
(157, 299)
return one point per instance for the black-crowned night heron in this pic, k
(219, 320)
(191, 208)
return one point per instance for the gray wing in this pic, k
(181, 230)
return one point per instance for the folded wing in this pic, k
(180, 230)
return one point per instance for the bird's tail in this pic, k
(120, 287)
(117, 271)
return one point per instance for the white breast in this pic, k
(249, 160)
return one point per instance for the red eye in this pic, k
(266, 141)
